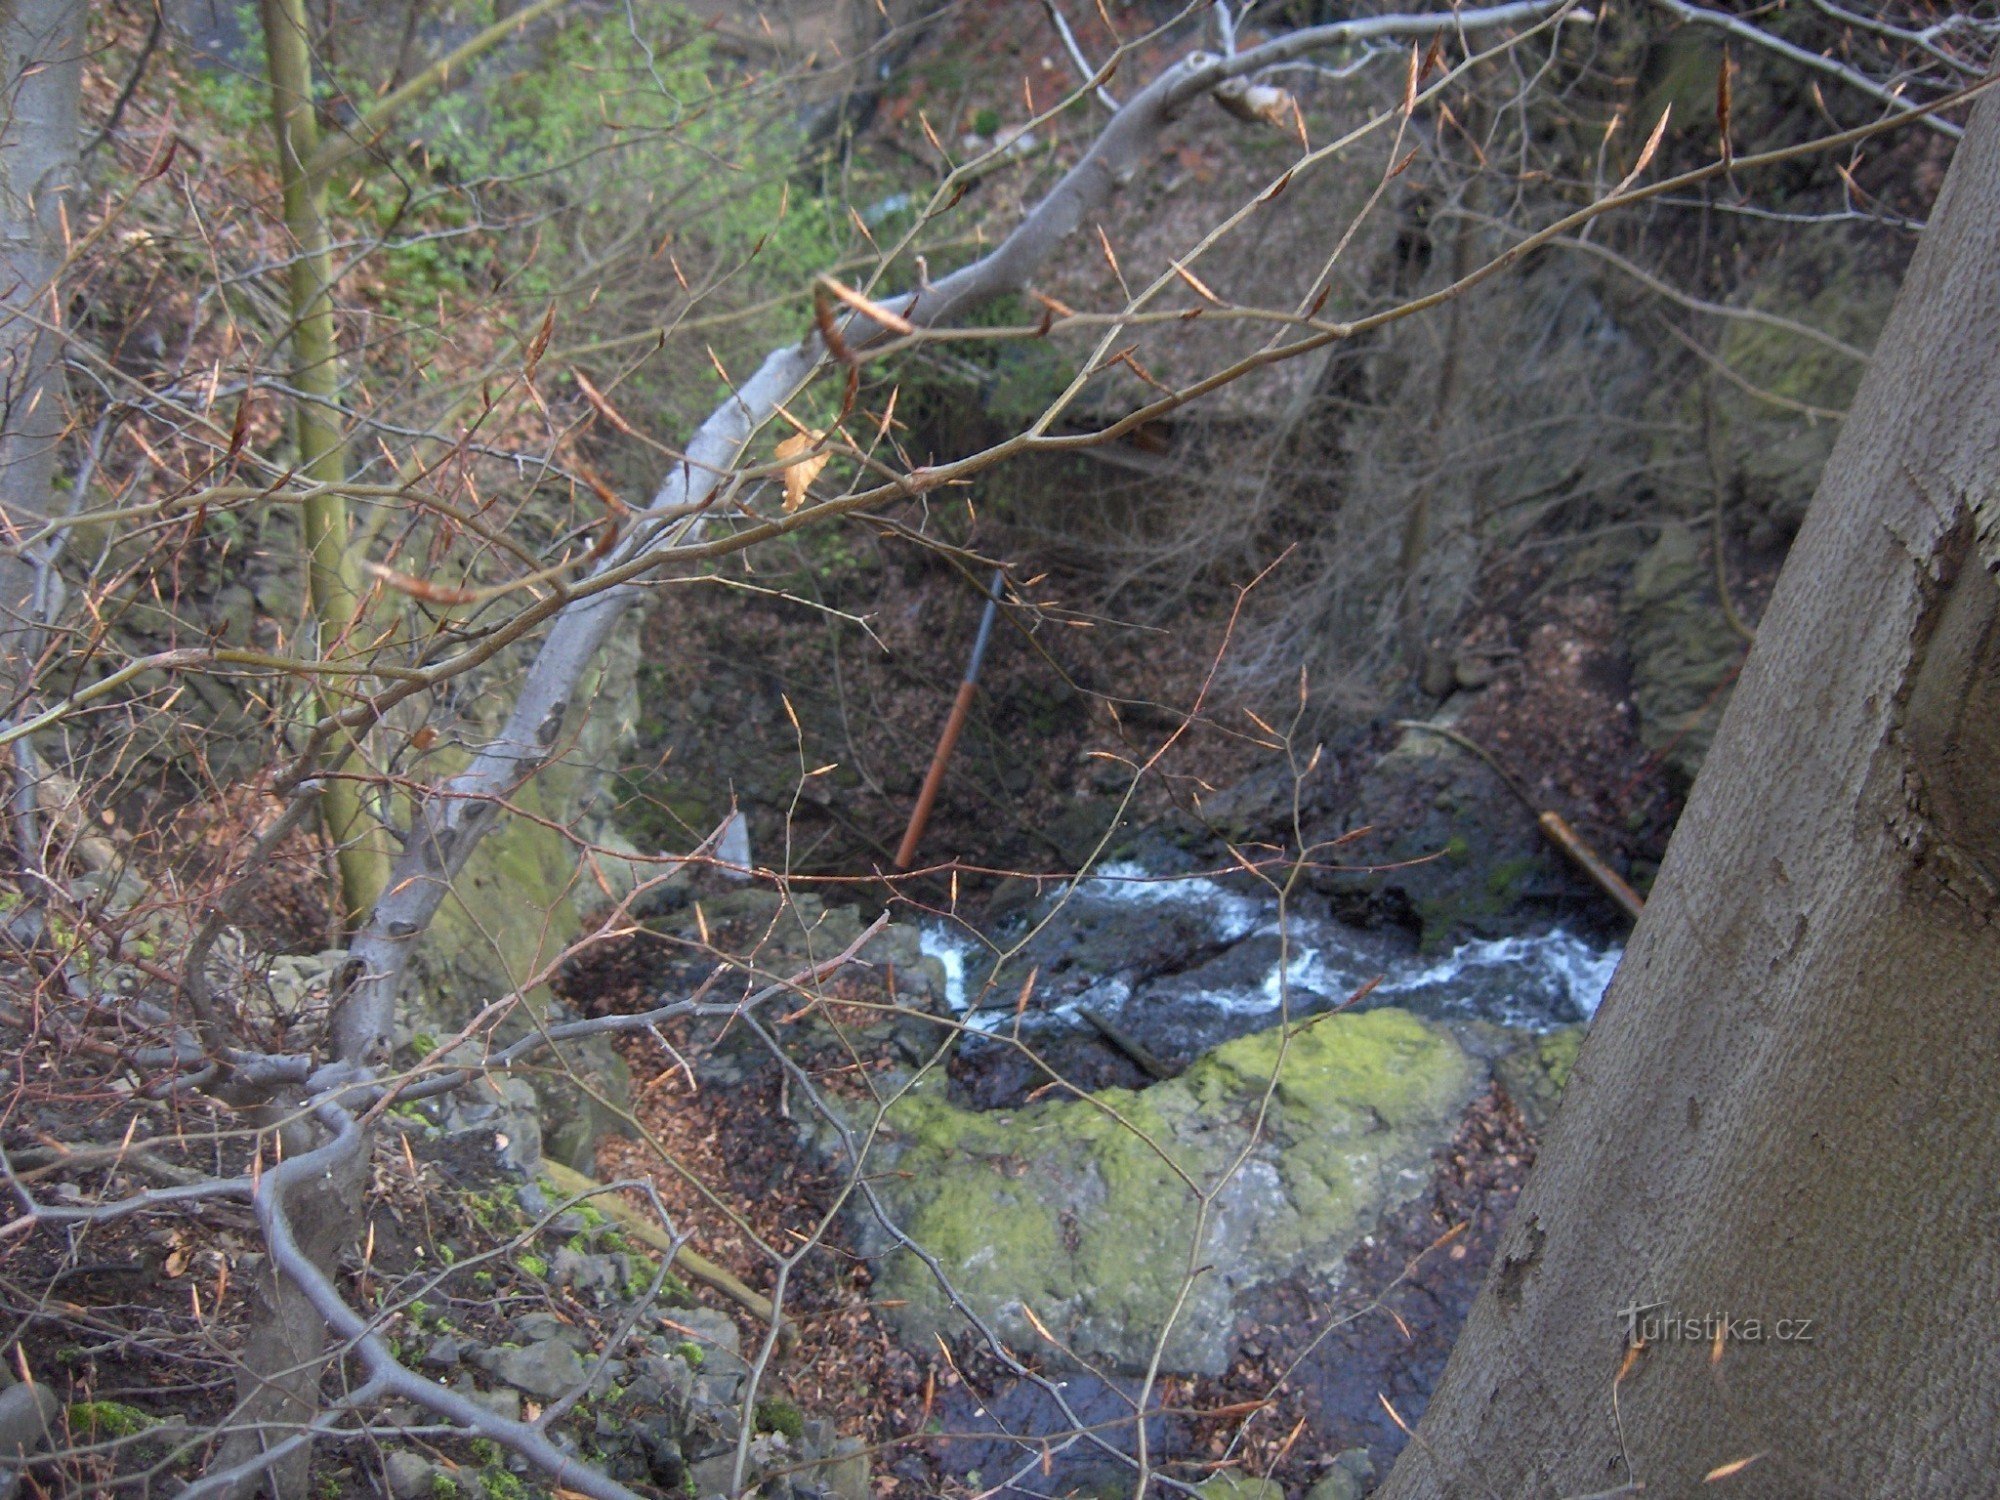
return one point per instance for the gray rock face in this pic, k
(1683, 647)
(1452, 848)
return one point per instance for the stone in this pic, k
(540, 1327)
(1080, 1212)
(502, 1403)
(27, 1413)
(1534, 1072)
(713, 1476)
(604, 1277)
(545, 1370)
(443, 1354)
(1351, 1477)
(1683, 647)
(410, 1476)
(712, 1331)
(505, 1109)
(1450, 849)
(847, 1474)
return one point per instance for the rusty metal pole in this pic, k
(948, 741)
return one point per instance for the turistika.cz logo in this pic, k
(1656, 1323)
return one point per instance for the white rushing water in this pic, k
(1302, 965)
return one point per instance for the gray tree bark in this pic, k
(41, 70)
(1786, 1109)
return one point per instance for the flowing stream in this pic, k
(1181, 964)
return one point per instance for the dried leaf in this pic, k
(803, 467)
(602, 403)
(894, 322)
(538, 345)
(1722, 102)
(1646, 156)
(1200, 286)
(418, 588)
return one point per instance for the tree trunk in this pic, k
(41, 70)
(333, 573)
(1786, 1110)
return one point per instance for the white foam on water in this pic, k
(1232, 915)
(951, 948)
(1564, 963)
(1529, 980)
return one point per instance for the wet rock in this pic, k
(987, 1428)
(1451, 851)
(1080, 1211)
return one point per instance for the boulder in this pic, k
(1081, 1216)
(545, 1370)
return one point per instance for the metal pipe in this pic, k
(954, 724)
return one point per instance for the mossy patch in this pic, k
(776, 1414)
(101, 1421)
(1270, 1155)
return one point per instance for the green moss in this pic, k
(1087, 1214)
(1506, 879)
(444, 1487)
(778, 1415)
(95, 1421)
(532, 1264)
(1558, 1052)
(1237, 1486)
(500, 1485)
(691, 1353)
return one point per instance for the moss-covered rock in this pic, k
(1535, 1072)
(1270, 1155)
